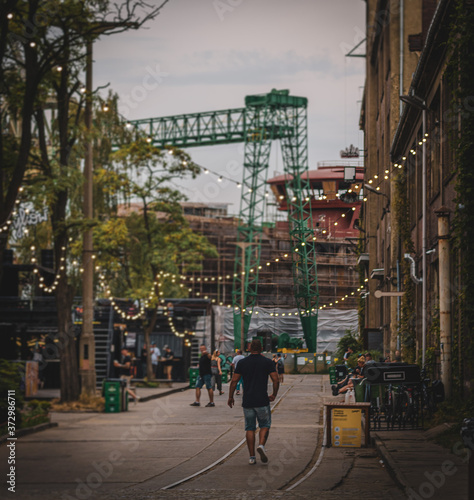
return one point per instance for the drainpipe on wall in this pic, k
(402, 35)
(414, 278)
(444, 297)
(423, 244)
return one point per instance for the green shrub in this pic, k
(35, 413)
(350, 339)
(10, 380)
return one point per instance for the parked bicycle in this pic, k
(432, 393)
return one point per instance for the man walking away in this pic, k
(254, 370)
(204, 377)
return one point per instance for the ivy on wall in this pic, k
(361, 303)
(407, 324)
(461, 67)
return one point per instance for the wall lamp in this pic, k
(373, 190)
(414, 100)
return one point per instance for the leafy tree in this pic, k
(38, 38)
(42, 56)
(350, 339)
(149, 241)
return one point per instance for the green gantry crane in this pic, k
(266, 117)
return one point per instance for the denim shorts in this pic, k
(262, 414)
(205, 379)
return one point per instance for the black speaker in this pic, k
(398, 374)
(9, 279)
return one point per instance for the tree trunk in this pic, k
(69, 373)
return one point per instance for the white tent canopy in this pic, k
(332, 325)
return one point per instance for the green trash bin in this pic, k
(113, 396)
(225, 375)
(332, 375)
(193, 375)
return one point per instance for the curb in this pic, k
(162, 394)
(392, 468)
(30, 430)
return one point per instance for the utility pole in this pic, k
(87, 341)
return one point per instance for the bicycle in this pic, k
(402, 406)
(428, 401)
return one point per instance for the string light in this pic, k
(399, 164)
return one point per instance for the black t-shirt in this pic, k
(123, 370)
(205, 365)
(168, 357)
(255, 370)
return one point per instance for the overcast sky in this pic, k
(204, 55)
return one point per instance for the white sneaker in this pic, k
(252, 461)
(263, 454)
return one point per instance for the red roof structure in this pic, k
(335, 199)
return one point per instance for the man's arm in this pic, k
(276, 385)
(233, 385)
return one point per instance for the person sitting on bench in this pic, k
(351, 380)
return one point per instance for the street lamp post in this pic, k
(243, 246)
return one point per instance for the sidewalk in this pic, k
(145, 393)
(421, 468)
(418, 466)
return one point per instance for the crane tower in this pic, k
(265, 118)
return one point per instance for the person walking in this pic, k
(204, 377)
(168, 362)
(125, 372)
(280, 368)
(236, 359)
(255, 370)
(216, 372)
